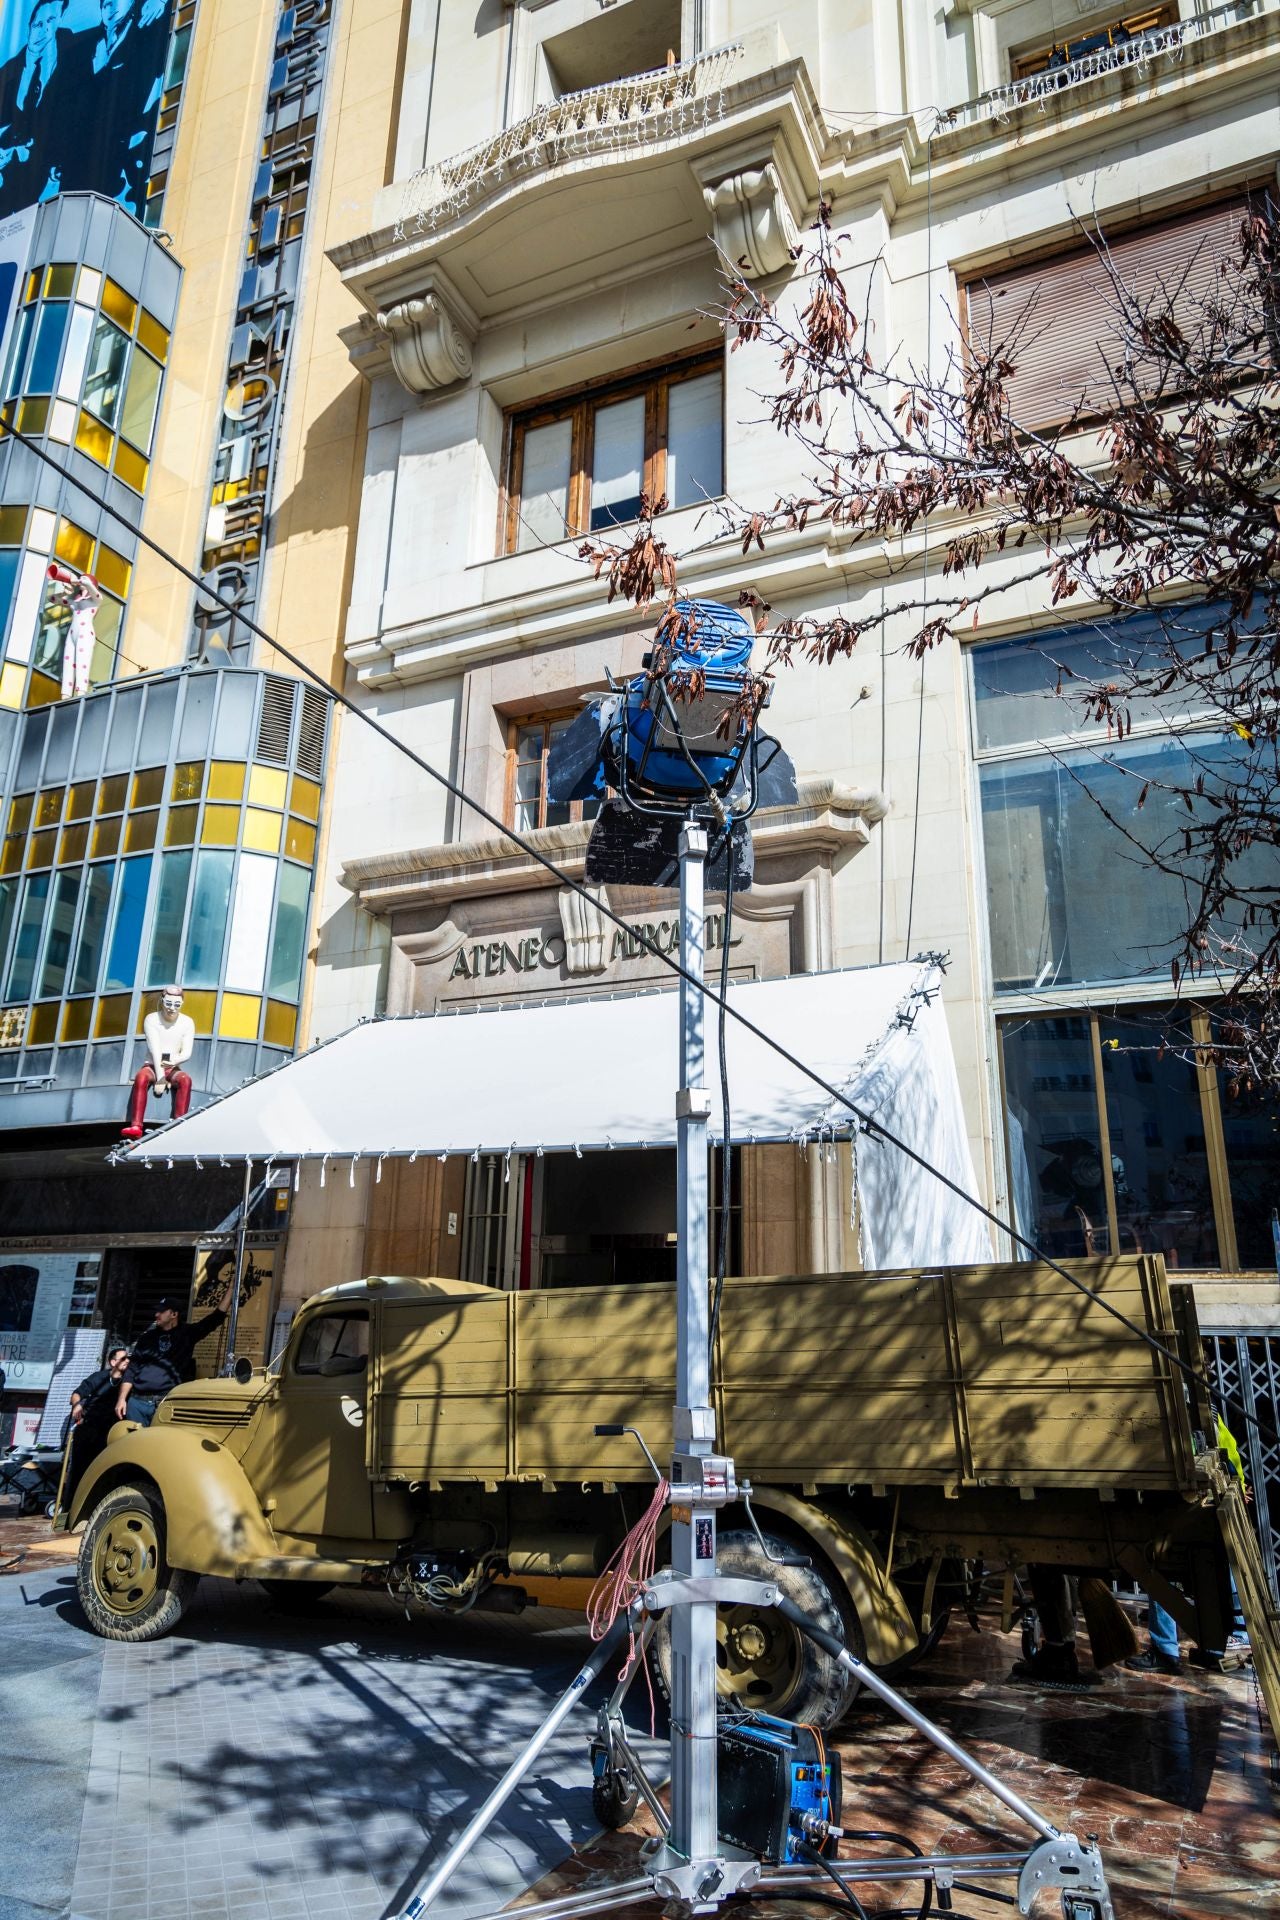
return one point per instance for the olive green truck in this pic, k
(910, 1433)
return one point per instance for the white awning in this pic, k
(582, 1074)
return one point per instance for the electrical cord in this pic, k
(909, 1846)
(873, 1128)
(852, 1901)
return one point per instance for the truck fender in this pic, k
(212, 1518)
(883, 1614)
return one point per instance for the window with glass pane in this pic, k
(584, 466)
(1056, 1181)
(57, 946)
(695, 460)
(171, 905)
(26, 945)
(105, 376)
(51, 326)
(138, 415)
(291, 932)
(528, 745)
(617, 466)
(544, 485)
(126, 931)
(1058, 867)
(1159, 1160)
(93, 926)
(1251, 1137)
(207, 927)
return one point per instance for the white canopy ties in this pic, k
(581, 1074)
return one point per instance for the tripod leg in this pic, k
(516, 1771)
(831, 1644)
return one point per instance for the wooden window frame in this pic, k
(516, 725)
(1034, 60)
(579, 406)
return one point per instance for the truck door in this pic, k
(319, 1479)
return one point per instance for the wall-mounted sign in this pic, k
(80, 87)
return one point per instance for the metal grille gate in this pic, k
(1247, 1367)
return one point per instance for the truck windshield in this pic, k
(334, 1343)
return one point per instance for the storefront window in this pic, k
(1160, 1166)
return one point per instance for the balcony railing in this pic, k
(639, 111)
(1128, 55)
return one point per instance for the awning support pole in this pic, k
(233, 1318)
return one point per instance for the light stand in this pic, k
(690, 1867)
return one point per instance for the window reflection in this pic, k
(1164, 1202)
(1055, 1146)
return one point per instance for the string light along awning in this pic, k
(590, 1074)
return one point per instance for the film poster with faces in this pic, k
(253, 1329)
(80, 86)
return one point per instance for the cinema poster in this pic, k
(80, 86)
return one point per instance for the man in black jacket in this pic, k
(92, 1413)
(164, 1356)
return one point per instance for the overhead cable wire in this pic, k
(866, 1121)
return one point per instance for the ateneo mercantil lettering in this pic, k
(487, 958)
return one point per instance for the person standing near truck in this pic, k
(164, 1356)
(92, 1412)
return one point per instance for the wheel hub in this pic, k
(758, 1656)
(126, 1562)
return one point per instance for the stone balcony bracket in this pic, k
(430, 335)
(757, 209)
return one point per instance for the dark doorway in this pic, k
(609, 1219)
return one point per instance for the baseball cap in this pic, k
(168, 1306)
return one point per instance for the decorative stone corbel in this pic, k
(430, 346)
(584, 928)
(754, 224)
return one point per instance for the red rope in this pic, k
(626, 1573)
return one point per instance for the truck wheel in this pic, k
(126, 1586)
(296, 1596)
(764, 1662)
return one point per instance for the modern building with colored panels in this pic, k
(161, 801)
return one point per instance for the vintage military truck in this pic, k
(901, 1429)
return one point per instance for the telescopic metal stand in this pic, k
(690, 1866)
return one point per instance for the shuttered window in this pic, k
(1059, 315)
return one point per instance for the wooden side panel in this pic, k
(441, 1390)
(584, 1355)
(1261, 1615)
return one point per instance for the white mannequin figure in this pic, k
(170, 1035)
(82, 594)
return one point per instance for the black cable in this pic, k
(898, 1840)
(855, 1905)
(871, 1127)
(726, 1131)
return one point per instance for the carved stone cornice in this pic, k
(429, 339)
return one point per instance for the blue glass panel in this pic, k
(210, 913)
(291, 932)
(93, 929)
(171, 905)
(48, 348)
(22, 340)
(126, 931)
(27, 945)
(62, 921)
(9, 558)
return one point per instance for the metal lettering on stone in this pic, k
(258, 364)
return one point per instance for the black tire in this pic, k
(765, 1663)
(903, 1665)
(126, 1586)
(614, 1800)
(296, 1596)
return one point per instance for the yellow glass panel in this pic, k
(13, 524)
(130, 467)
(188, 778)
(239, 1017)
(262, 831)
(12, 680)
(58, 282)
(42, 691)
(116, 303)
(76, 1019)
(267, 786)
(74, 841)
(48, 810)
(111, 793)
(226, 780)
(32, 287)
(153, 336)
(180, 828)
(33, 416)
(140, 832)
(94, 439)
(148, 787)
(80, 799)
(282, 1024)
(11, 853)
(113, 1017)
(106, 837)
(20, 813)
(89, 286)
(43, 1029)
(40, 848)
(74, 545)
(201, 1008)
(300, 841)
(221, 825)
(113, 571)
